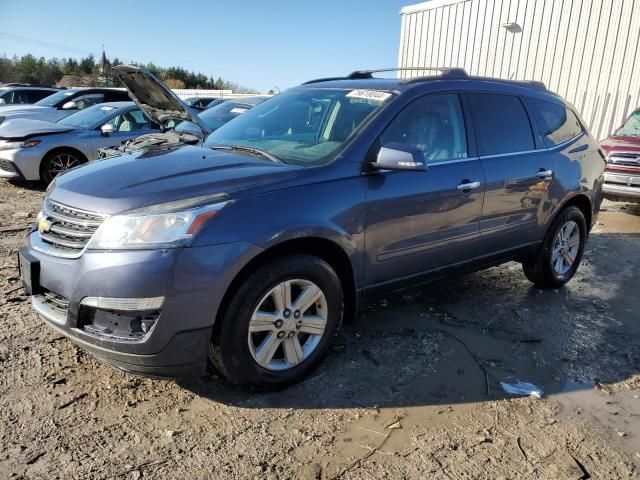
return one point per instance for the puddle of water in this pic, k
(616, 412)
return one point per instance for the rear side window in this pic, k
(433, 124)
(503, 124)
(557, 124)
(36, 95)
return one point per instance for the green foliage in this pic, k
(89, 71)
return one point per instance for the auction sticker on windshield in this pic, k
(374, 96)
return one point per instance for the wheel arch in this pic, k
(323, 248)
(582, 202)
(61, 149)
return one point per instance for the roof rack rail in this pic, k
(364, 74)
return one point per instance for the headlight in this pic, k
(16, 145)
(166, 225)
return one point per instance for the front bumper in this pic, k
(191, 280)
(621, 185)
(25, 160)
(9, 170)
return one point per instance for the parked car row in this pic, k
(24, 95)
(74, 126)
(248, 249)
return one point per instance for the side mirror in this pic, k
(107, 129)
(70, 106)
(398, 156)
(2, 100)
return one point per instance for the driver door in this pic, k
(419, 221)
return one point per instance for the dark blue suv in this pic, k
(251, 249)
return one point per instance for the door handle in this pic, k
(468, 185)
(544, 174)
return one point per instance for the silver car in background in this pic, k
(40, 150)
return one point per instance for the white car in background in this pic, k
(63, 103)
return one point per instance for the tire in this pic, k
(57, 162)
(235, 352)
(542, 270)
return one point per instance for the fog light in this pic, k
(139, 304)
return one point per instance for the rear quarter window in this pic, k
(557, 123)
(503, 125)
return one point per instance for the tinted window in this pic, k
(502, 123)
(433, 124)
(117, 96)
(557, 123)
(36, 95)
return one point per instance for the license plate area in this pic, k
(29, 272)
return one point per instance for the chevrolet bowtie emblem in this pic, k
(44, 225)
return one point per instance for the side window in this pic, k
(502, 124)
(558, 124)
(20, 96)
(85, 101)
(433, 124)
(129, 121)
(36, 95)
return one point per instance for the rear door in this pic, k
(519, 173)
(422, 221)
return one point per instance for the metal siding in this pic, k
(586, 50)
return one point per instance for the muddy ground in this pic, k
(410, 390)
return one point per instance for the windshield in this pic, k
(52, 100)
(631, 128)
(302, 126)
(220, 114)
(89, 117)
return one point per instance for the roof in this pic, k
(117, 104)
(46, 89)
(366, 79)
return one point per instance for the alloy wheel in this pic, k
(61, 163)
(565, 248)
(288, 324)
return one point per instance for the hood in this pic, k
(24, 111)
(155, 99)
(23, 128)
(621, 144)
(136, 180)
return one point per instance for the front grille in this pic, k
(69, 229)
(625, 159)
(7, 166)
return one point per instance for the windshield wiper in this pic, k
(242, 148)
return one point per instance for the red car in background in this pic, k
(622, 172)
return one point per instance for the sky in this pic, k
(258, 44)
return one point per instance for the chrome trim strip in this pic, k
(43, 247)
(45, 311)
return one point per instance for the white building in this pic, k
(585, 50)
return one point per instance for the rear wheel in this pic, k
(561, 251)
(57, 162)
(279, 323)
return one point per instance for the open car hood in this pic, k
(155, 99)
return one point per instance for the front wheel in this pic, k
(57, 162)
(279, 323)
(561, 252)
